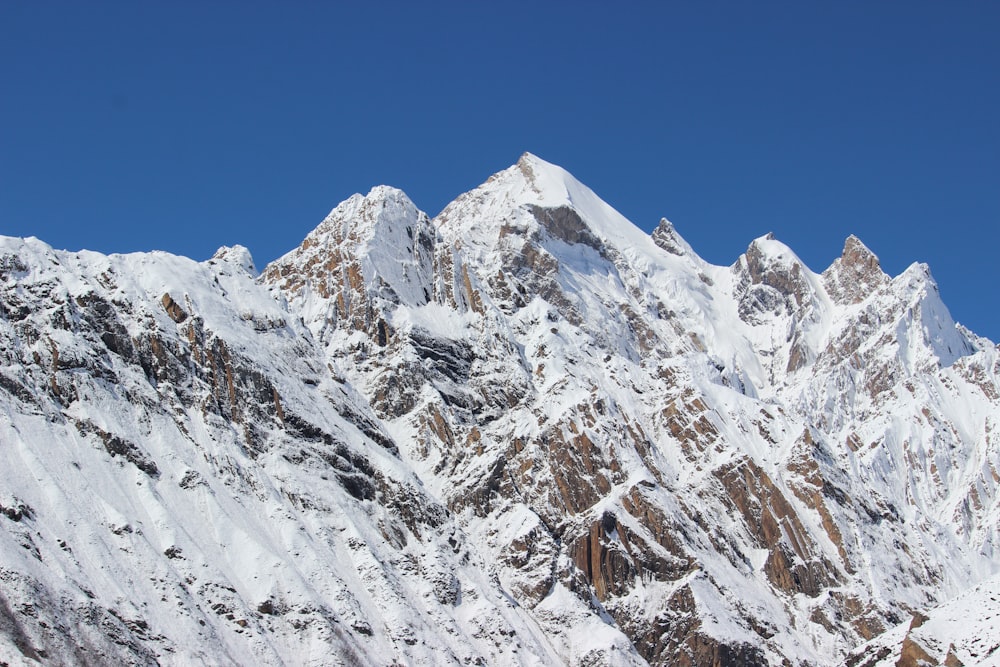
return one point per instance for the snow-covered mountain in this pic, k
(522, 432)
(962, 631)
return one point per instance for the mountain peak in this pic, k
(767, 249)
(535, 192)
(857, 254)
(665, 236)
(527, 158)
(237, 255)
(370, 246)
(360, 216)
(525, 432)
(387, 193)
(546, 184)
(855, 274)
(770, 262)
(529, 162)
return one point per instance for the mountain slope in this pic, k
(187, 482)
(523, 432)
(962, 631)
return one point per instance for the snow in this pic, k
(587, 366)
(967, 626)
(434, 318)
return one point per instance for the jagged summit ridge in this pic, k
(533, 238)
(522, 432)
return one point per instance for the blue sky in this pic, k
(185, 126)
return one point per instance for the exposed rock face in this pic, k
(341, 272)
(522, 432)
(667, 238)
(767, 267)
(912, 653)
(959, 632)
(855, 275)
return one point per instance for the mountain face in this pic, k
(522, 432)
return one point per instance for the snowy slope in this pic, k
(190, 484)
(523, 432)
(965, 630)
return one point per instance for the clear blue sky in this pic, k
(185, 126)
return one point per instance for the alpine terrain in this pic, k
(523, 432)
